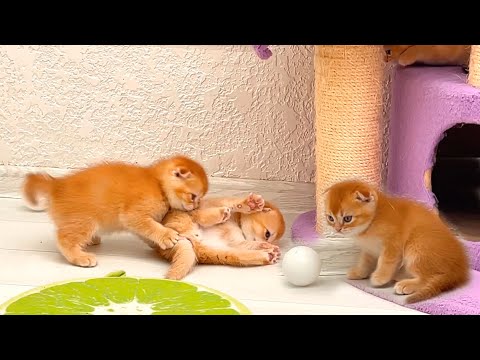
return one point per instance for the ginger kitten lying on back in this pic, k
(224, 231)
(114, 197)
(396, 233)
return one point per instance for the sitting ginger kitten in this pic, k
(428, 54)
(397, 234)
(115, 197)
(224, 231)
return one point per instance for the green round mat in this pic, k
(117, 294)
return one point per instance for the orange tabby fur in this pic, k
(225, 231)
(428, 54)
(113, 197)
(397, 234)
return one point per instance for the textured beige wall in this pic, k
(68, 106)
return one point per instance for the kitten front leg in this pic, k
(387, 266)
(408, 57)
(250, 204)
(147, 227)
(364, 267)
(258, 245)
(234, 256)
(208, 217)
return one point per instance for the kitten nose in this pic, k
(338, 228)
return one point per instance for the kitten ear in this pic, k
(365, 197)
(182, 172)
(266, 209)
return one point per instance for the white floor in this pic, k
(29, 258)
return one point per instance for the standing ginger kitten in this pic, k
(224, 231)
(428, 54)
(113, 197)
(396, 233)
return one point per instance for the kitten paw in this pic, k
(356, 274)
(406, 287)
(268, 246)
(190, 236)
(271, 256)
(379, 279)
(85, 260)
(174, 275)
(225, 213)
(169, 239)
(252, 203)
(96, 240)
(255, 202)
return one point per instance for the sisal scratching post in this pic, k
(349, 81)
(474, 66)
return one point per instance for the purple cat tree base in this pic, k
(426, 102)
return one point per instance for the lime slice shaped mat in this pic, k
(117, 294)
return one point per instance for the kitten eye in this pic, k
(330, 218)
(267, 234)
(347, 219)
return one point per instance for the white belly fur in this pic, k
(212, 238)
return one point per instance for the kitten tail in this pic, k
(36, 190)
(436, 285)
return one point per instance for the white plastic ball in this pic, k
(301, 265)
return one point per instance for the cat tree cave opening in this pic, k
(455, 178)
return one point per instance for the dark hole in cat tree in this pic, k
(456, 179)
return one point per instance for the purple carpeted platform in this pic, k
(426, 101)
(463, 301)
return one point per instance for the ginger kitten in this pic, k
(397, 234)
(428, 54)
(116, 197)
(224, 231)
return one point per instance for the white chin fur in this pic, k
(42, 203)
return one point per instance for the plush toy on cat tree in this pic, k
(262, 51)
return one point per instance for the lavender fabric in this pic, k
(262, 51)
(303, 228)
(426, 101)
(463, 301)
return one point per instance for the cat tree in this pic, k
(349, 89)
(349, 100)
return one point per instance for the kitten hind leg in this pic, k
(387, 266)
(96, 240)
(182, 257)
(407, 286)
(364, 267)
(71, 242)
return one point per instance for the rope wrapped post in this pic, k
(349, 83)
(474, 66)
